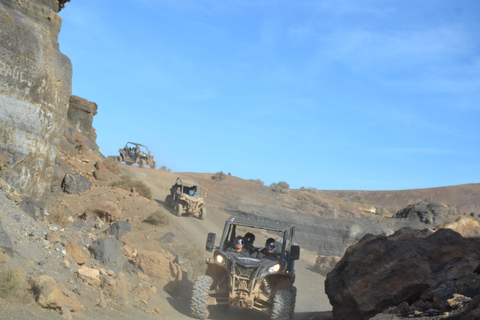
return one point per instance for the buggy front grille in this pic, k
(244, 271)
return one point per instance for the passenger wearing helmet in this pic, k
(269, 251)
(249, 239)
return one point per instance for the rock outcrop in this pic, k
(420, 268)
(428, 212)
(467, 226)
(79, 131)
(52, 296)
(35, 87)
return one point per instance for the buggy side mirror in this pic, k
(294, 252)
(210, 242)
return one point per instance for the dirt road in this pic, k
(312, 302)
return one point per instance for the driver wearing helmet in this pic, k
(238, 247)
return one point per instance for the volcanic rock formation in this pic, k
(422, 268)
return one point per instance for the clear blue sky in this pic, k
(359, 95)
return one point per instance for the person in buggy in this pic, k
(238, 247)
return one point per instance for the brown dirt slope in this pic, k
(465, 197)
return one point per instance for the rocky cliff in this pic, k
(35, 87)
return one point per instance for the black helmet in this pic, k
(249, 237)
(270, 241)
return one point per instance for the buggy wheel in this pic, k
(128, 163)
(203, 213)
(118, 159)
(200, 294)
(281, 307)
(153, 165)
(294, 300)
(168, 201)
(179, 210)
(141, 163)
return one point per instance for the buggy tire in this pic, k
(118, 159)
(179, 210)
(153, 165)
(281, 306)
(293, 301)
(203, 213)
(128, 163)
(141, 163)
(168, 201)
(200, 295)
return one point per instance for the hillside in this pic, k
(326, 224)
(465, 197)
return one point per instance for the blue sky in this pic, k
(350, 95)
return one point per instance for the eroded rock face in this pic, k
(81, 113)
(35, 87)
(409, 266)
(161, 268)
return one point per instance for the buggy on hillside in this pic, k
(254, 283)
(187, 196)
(136, 153)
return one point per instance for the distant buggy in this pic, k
(254, 283)
(187, 196)
(136, 153)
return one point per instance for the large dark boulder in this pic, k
(75, 183)
(119, 228)
(109, 252)
(411, 265)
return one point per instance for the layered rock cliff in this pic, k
(35, 87)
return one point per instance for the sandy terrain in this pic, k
(312, 302)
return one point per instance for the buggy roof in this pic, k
(137, 144)
(256, 223)
(188, 182)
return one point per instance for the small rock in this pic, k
(76, 253)
(457, 301)
(52, 237)
(89, 275)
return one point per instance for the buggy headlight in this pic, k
(275, 268)
(220, 259)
